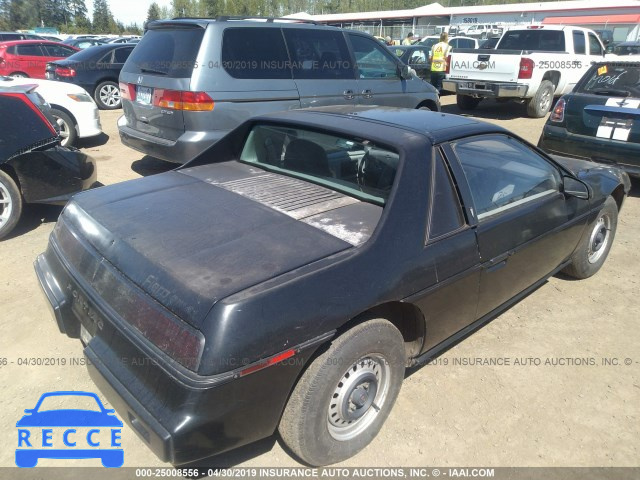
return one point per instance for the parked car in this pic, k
(9, 36)
(175, 106)
(599, 120)
(34, 168)
(74, 111)
(454, 42)
(270, 269)
(626, 48)
(27, 58)
(482, 31)
(96, 70)
(82, 43)
(124, 40)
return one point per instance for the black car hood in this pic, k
(189, 243)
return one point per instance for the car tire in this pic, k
(540, 104)
(322, 423)
(19, 75)
(595, 244)
(68, 132)
(466, 102)
(107, 96)
(10, 204)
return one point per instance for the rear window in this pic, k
(612, 80)
(543, 40)
(169, 52)
(355, 167)
(255, 53)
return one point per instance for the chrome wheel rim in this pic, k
(358, 397)
(64, 131)
(6, 205)
(599, 240)
(110, 95)
(18, 75)
(545, 101)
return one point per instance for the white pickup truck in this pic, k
(531, 64)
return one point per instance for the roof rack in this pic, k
(226, 18)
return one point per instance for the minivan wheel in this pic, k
(342, 400)
(107, 96)
(595, 244)
(10, 204)
(67, 127)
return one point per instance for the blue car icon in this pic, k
(37, 419)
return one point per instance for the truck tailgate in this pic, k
(488, 65)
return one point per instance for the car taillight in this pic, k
(179, 100)
(65, 72)
(526, 68)
(127, 91)
(448, 65)
(557, 115)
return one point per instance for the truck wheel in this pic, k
(346, 394)
(10, 204)
(595, 243)
(465, 102)
(540, 104)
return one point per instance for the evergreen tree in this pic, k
(5, 7)
(153, 13)
(102, 19)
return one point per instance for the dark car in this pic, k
(8, 36)
(285, 278)
(95, 69)
(600, 119)
(417, 57)
(34, 168)
(626, 48)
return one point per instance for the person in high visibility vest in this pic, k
(408, 40)
(438, 58)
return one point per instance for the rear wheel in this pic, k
(466, 102)
(10, 204)
(541, 103)
(107, 96)
(596, 242)
(19, 75)
(342, 400)
(67, 127)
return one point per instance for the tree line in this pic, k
(71, 16)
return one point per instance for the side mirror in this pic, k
(575, 188)
(405, 72)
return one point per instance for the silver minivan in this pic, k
(190, 81)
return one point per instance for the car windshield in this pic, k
(356, 167)
(69, 402)
(612, 80)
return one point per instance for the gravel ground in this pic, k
(566, 391)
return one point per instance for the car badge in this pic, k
(139, 79)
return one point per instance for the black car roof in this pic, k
(438, 127)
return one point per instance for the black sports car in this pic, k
(96, 69)
(600, 119)
(285, 278)
(34, 168)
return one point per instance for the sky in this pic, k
(129, 11)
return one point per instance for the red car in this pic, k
(28, 58)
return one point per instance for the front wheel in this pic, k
(595, 243)
(342, 400)
(107, 96)
(67, 127)
(541, 103)
(10, 204)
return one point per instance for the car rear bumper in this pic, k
(181, 418)
(557, 140)
(188, 146)
(480, 88)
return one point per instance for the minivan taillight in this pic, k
(557, 115)
(127, 91)
(65, 72)
(179, 100)
(526, 68)
(447, 67)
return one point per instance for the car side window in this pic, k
(121, 54)
(418, 56)
(29, 50)
(503, 173)
(446, 212)
(318, 54)
(579, 43)
(594, 45)
(106, 58)
(372, 59)
(57, 50)
(255, 53)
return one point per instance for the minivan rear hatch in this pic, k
(155, 74)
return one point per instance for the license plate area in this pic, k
(144, 95)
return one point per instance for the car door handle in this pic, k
(349, 94)
(498, 262)
(367, 93)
